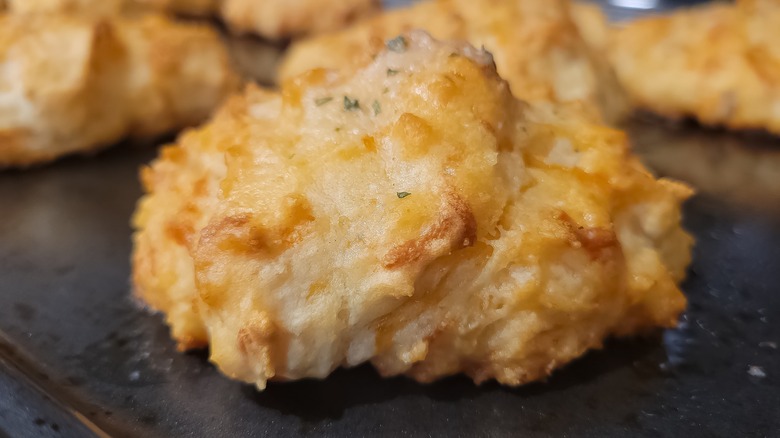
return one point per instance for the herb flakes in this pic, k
(351, 104)
(322, 100)
(377, 107)
(402, 195)
(391, 72)
(397, 44)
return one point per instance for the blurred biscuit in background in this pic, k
(288, 19)
(718, 63)
(75, 84)
(269, 19)
(82, 7)
(535, 44)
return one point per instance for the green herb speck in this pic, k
(351, 104)
(391, 72)
(402, 195)
(322, 100)
(377, 107)
(397, 44)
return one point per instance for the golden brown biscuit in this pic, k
(411, 213)
(111, 7)
(270, 19)
(535, 45)
(719, 63)
(84, 7)
(71, 84)
(285, 19)
(185, 7)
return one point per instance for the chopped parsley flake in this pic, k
(377, 107)
(402, 195)
(391, 72)
(322, 100)
(454, 55)
(397, 44)
(351, 104)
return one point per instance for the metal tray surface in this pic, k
(78, 357)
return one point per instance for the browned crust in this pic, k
(262, 339)
(189, 343)
(455, 228)
(600, 243)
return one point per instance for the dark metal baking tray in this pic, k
(78, 357)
